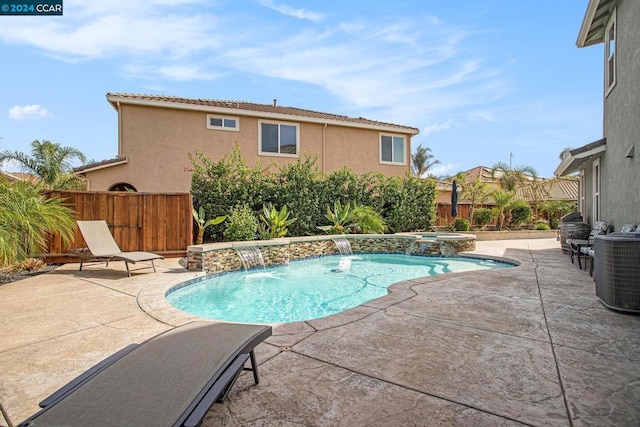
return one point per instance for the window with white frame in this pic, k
(276, 138)
(223, 122)
(583, 194)
(392, 149)
(596, 190)
(610, 53)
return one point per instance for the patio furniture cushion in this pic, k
(171, 379)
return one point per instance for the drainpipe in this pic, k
(119, 129)
(324, 148)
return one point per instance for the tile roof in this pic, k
(99, 165)
(255, 108)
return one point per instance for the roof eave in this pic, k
(579, 156)
(595, 19)
(114, 99)
(100, 165)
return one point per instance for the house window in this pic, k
(596, 190)
(278, 138)
(392, 149)
(610, 54)
(223, 122)
(582, 203)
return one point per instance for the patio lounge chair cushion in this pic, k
(171, 379)
(101, 245)
(628, 228)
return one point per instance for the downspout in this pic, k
(324, 148)
(119, 129)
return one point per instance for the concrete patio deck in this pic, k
(530, 345)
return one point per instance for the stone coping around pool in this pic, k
(223, 256)
(151, 299)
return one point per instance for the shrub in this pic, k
(275, 222)
(367, 220)
(409, 204)
(26, 221)
(520, 212)
(405, 204)
(461, 224)
(241, 224)
(541, 225)
(340, 217)
(482, 216)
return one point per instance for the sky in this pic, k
(485, 81)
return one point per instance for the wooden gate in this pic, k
(153, 222)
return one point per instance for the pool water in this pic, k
(309, 289)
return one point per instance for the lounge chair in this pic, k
(171, 379)
(102, 247)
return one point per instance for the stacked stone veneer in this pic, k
(221, 257)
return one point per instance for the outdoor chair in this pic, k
(589, 251)
(172, 379)
(576, 244)
(102, 247)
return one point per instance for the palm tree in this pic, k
(421, 161)
(512, 178)
(565, 153)
(50, 162)
(27, 219)
(503, 200)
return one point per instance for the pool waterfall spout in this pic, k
(343, 246)
(251, 257)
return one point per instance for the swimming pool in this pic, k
(309, 289)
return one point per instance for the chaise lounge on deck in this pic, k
(171, 379)
(101, 246)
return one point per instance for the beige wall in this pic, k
(157, 141)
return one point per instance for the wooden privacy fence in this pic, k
(153, 222)
(443, 213)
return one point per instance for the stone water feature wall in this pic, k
(222, 257)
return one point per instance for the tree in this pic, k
(503, 199)
(50, 162)
(476, 192)
(512, 178)
(565, 153)
(421, 161)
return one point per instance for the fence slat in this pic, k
(150, 222)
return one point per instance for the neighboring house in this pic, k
(561, 189)
(18, 176)
(156, 134)
(608, 168)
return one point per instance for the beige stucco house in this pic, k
(157, 133)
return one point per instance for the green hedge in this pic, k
(405, 204)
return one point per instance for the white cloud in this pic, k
(410, 70)
(444, 170)
(289, 11)
(178, 73)
(28, 112)
(96, 31)
(438, 127)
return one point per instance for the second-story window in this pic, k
(223, 122)
(392, 149)
(278, 138)
(610, 54)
